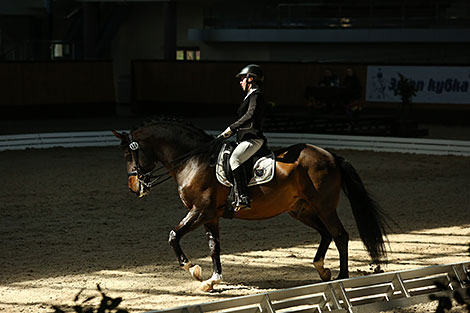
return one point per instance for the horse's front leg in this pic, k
(212, 232)
(191, 221)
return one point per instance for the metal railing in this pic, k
(379, 144)
(364, 294)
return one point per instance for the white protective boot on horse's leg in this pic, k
(194, 270)
(208, 285)
(325, 273)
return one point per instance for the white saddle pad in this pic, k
(263, 169)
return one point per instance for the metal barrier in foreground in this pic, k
(382, 144)
(365, 294)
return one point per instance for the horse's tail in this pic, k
(370, 219)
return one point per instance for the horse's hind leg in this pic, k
(341, 238)
(310, 219)
(329, 227)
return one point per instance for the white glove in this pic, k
(226, 133)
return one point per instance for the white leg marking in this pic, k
(319, 264)
(187, 266)
(325, 273)
(208, 285)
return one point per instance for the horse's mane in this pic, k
(191, 135)
(176, 121)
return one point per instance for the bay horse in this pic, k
(307, 184)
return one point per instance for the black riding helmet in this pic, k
(252, 70)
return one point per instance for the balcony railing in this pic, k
(327, 15)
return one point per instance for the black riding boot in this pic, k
(242, 201)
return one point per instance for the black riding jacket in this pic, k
(250, 117)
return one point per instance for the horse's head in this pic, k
(140, 163)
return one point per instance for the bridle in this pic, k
(152, 176)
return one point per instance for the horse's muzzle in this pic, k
(136, 186)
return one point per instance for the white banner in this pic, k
(435, 84)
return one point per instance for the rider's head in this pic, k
(251, 75)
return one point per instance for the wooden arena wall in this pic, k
(30, 89)
(204, 85)
(207, 87)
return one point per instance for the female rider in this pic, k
(248, 130)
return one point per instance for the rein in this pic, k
(163, 177)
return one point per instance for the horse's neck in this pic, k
(169, 152)
(170, 147)
(190, 171)
(185, 165)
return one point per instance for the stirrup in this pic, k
(242, 207)
(242, 204)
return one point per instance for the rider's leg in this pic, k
(242, 152)
(242, 200)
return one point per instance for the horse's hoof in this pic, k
(326, 275)
(196, 272)
(207, 286)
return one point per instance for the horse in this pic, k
(307, 184)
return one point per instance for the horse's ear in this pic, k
(118, 135)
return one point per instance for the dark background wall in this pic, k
(205, 87)
(66, 88)
(127, 42)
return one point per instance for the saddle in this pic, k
(259, 169)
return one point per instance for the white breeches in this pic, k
(244, 151)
